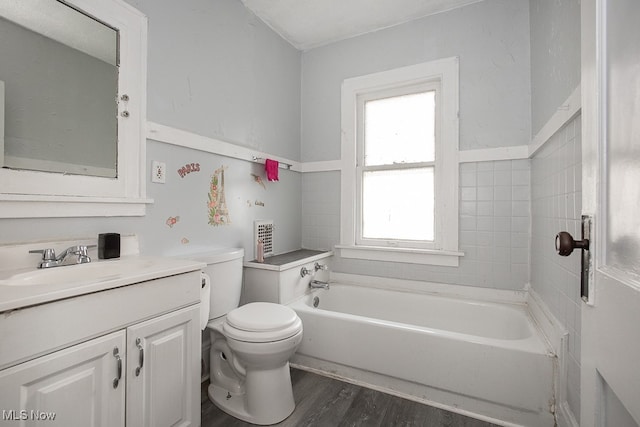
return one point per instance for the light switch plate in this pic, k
(158, 172)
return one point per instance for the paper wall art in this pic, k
(217, 204)
(258, 179)
(188, 168)
(172, 220)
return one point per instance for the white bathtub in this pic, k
(480, 358)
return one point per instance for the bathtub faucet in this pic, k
(318, 284)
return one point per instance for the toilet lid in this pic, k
(262, 317)
(264, 336)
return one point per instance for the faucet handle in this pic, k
(317, 266)
(47, 254)
(84, 249)
(304, 271)
(83, 253)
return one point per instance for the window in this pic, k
(400, 171)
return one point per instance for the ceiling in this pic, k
(311, 23)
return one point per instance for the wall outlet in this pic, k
(158, 172)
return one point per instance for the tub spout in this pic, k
(315, 284)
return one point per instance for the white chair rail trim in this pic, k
(565, 113)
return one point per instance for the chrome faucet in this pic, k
(304, 271)
(317, 266)
(49, 258)
(318, 284)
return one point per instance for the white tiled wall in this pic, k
(494, 223)
(494, 227)
(320, 210)
(556, 206)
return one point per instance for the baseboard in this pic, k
(417, 393)
(558, 338)
(565, 417)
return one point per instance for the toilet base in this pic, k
(268, 398)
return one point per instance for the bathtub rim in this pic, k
(535, 343)
(473, 293)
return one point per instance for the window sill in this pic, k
(404, 255)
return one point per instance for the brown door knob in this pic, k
(565, 244)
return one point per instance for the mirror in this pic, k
(102, 156)
(59, 70)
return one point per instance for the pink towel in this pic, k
(271, 168)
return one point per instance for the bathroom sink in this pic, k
(30, 286)
(99, 271)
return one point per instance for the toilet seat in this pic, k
(262, 322)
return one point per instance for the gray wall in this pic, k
(555, 56)
(492, 40)
(60, 102)
(490, 37)
(215, 70)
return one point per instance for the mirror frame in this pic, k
(31, 194)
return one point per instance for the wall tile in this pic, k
(485, 193)
(468, 179)
(467, 223)
(485, 208)
(502, 176)
(485, 166)
(484, 223)
(484, 178)
(556, 204)
(467, 193)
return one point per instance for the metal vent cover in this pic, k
(264, 230)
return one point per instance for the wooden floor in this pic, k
(322, 401)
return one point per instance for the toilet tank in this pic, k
(224, 268)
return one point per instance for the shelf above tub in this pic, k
(289, 260)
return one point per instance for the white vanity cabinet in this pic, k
(163, 371)
(74, 385)
(124, 356)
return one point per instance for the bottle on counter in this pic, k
(260, 251)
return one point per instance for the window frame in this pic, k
(361, 168)
(443, 76)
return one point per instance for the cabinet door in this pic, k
(70, 387)
(163, 374)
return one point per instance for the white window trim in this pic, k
(361, 168)
(444, 71)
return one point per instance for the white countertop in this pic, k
(28, 286)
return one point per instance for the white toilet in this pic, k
(250, 346)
